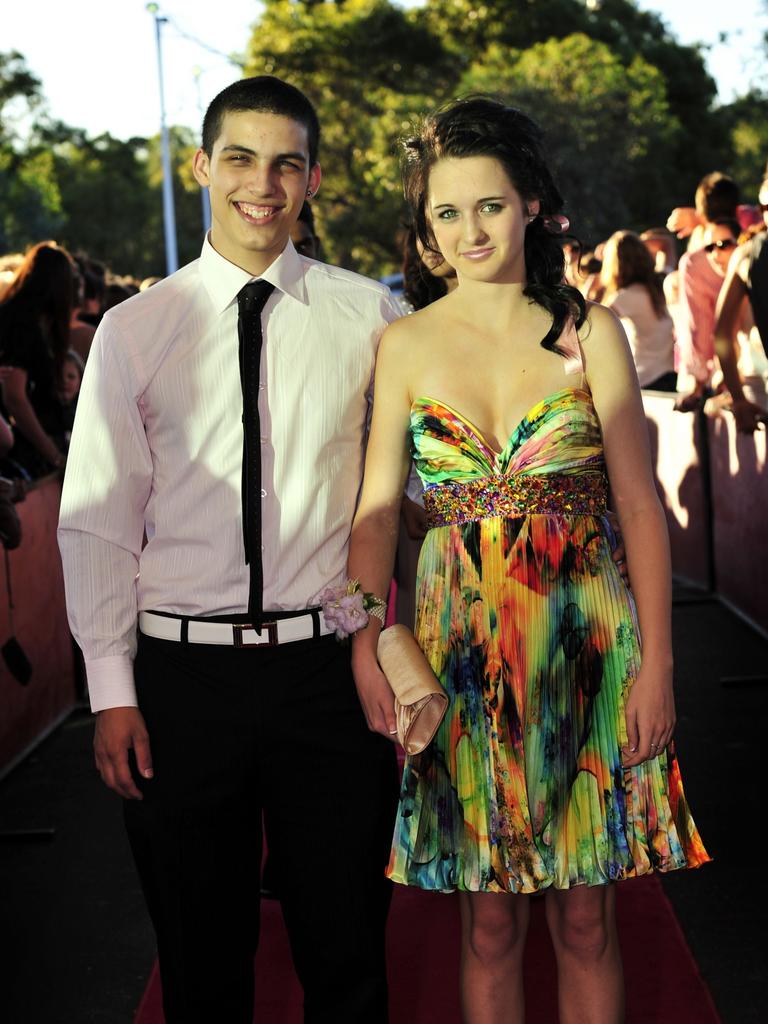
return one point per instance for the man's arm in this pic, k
(101, 526)
(730, 301)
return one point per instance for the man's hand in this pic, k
(683, 220)
(119, 730)
(376, 697)
(748, 416)
(690, 402)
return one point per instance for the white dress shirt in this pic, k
(157, 450)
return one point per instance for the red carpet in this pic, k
(662, 981)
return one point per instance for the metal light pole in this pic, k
(169, 216)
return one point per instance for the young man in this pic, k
(234, 701)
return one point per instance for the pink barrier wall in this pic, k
(675, 450)
(26, 712)
(740, 502)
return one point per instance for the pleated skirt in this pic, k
(531, 630)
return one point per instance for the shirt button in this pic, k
(263, 440)
(262, 385)
(263, 493)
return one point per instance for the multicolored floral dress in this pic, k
(525, 619)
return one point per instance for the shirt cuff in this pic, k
(110, 682)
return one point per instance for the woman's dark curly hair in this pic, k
(482, 126)
(419, 286)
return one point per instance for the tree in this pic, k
(30, 204)
(101, 195)
(635, 111)
(745, 129)
(369, 68)
(186, 197)
(20, 94)
(106, 199)
(606, 123)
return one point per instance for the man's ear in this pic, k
(315, 176)
(201, 167)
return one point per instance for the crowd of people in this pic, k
(683, 336)
(554, 770)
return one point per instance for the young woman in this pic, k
(553, 769)
(634, 291)
(34, 337)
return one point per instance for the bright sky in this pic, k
(97, 59)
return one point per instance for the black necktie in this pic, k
(250, 302)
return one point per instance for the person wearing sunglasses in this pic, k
(746, 279)
(701, 277)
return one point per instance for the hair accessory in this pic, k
(557, 223)
(347, 608)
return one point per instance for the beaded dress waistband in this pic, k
(456, 502)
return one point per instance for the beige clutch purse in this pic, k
(420, 700)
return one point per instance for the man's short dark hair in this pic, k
(268, 95)
(717, 196)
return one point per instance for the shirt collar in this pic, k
(223, 280)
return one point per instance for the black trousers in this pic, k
(237, 733)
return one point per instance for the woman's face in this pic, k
(70, 381)
(478, 218)
(719, 243)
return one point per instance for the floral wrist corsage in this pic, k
(347, 608)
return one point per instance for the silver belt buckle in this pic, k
(271, 641)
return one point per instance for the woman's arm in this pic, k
(375, 528)
(20, 408)
(650, 714)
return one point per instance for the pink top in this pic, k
(700, 286)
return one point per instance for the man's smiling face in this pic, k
(258, 175)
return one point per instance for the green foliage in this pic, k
(745, 127)
(628, 109)
(101, 195)
(19, 94)
(30, 201)
(30, 204)
(606, 124)
(369, 68)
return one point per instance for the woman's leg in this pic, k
(582, 924)
(493, 930)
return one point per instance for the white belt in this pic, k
(230, 634)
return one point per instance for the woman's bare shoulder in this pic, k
(415, 329)
(601, 327)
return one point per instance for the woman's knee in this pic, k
(495, 928)
(581, 924)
